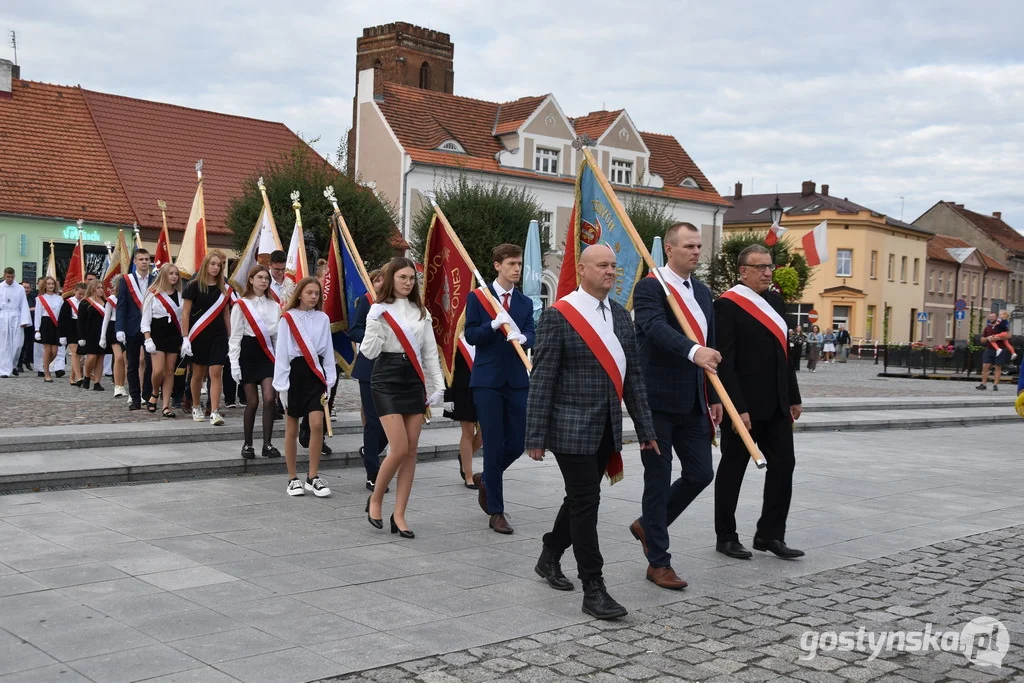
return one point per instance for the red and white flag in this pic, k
(120, 262)
(162, 253)
(262, 242)
(296, 266)
(815, 244)
(193, 244)
(76, 267)
(774, 233)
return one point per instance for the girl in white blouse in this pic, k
(108, 339)
(252, 356)
(48, 305)
(406, 378)
(161, 326)
(303, 369)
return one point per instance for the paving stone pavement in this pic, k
(783, 630)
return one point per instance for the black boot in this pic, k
(549, 568)
(597, 603)
(84, 383)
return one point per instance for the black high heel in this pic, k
(375, 523)
(404, 533)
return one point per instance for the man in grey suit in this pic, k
(584, 366)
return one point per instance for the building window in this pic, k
(903, 269)
(928, 326)
(931, 281)
(964, 291)
(874, 265)
(949, 284)
(622, 172)
(869, 324)
(938, 288)
(799, 314)
(690, 183)
(892, 267)
(917, 271)
(545, 295)
(425, 76)
(949, 326)
(546, 160)
(844, 262)
(546, 223)
(974, 285)
(840, 316)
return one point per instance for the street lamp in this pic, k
(775, 213)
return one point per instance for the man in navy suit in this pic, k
(130, 296)
(374, 438)
(674, 371)
(499, 379)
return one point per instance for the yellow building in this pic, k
(876, 265)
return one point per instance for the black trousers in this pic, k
(133, 347)
(374, 438)
(774, 437)
(794, 356)
(576, 522)
(689, 435)
(27, 348)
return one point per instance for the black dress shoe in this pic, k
(404, 533)
(376, 523)
(597, 603)
(59, 373)
(733, 549)
(549, 568)
(779, 548)
(248, 452)
(15, 372)
(270, 452)
(325, 450)
(135, 406)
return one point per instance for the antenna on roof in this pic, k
(14, 44)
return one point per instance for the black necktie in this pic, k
(686, 283)
(601, 307)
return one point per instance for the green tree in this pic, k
(721, 272)
(370, 220)
(482, 215)
(650, 217)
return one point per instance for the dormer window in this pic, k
(690, 183)
(451, 146)
(622, 172)
(546, 161)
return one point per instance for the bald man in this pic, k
(584, 366)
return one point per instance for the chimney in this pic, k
(739, 191)
(998, 215)
(8, 72)
(807, 189)
(959, 206)
(824, 190)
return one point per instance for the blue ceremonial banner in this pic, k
(532, 269)
(343, 286)
(598, 222)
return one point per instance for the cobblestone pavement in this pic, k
(769, 632)
(858, 378)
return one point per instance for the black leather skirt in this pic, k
(396, 388)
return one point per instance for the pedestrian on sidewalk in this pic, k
(675, 370)
(796, 347)
(205, 325)
(14, 316)
(815, 340)
(993, 356)
(375, 440)
(842, 344)
(254, 324)
(460, 394)
(399, 338)
(303, 370)
(575, 411)
(90, 333)
(161, 328)
(829, 346)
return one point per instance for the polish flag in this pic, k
(816, 245)
(193, 244)
(296, 266)
(774, 233)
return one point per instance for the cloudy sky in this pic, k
(922, 101)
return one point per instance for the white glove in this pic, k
(515, 336)
(120, 337)
(502, 318)
(63, 341)
(236, 375)
(436, 398)
(186, 347)
(39, 337)
(150, 346)
(81, 342)
(103, 342)
(376, 311)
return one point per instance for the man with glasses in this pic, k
(280, 286)
(752, 336)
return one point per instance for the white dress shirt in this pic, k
(55, 301)
(152, 309)
(315, 327)
(379, 338)
(590, 307)
(685, 289)
(265, 309)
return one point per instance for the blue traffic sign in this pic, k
(960, 305)
(922, 317)
(960, 315)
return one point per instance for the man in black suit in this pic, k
(131, 294)
(574, 409)
(674, 370)
(751, 329)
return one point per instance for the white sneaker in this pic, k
(295, 488)
(197, 414)
(203, 391)
(216, 420)
(125, 395)
(118, 391)
(318, 487)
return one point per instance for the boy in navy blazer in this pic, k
(126, 326)
(499, 379)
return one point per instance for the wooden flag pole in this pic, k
(716, 382)
(483, 283)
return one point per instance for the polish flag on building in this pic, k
(193, 244)
(774, 233)
(815, 244)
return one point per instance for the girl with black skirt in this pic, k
(48, 305)
(460, 394)
(161, 326)
(108, 340)
(206, 311)
(67, 327)
(303, 369)
(252, 356)
(400, 393)
(90, 331)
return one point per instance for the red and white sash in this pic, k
(135, 289)
(467, 350)
(609, 354)
(46, 307)
(311, 359)
(754, 304)
(692, 311)
(73, 303)
(208, 317)
(96, 307)
(173, 309)
(489, 308)
(405, 337)
(271, 294)
(258, 326)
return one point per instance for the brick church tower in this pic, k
(405, 54)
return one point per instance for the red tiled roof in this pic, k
(52, 161)
(513, 114)
(423, 119)
(595, 123)
(938, 245)
(994, 227)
